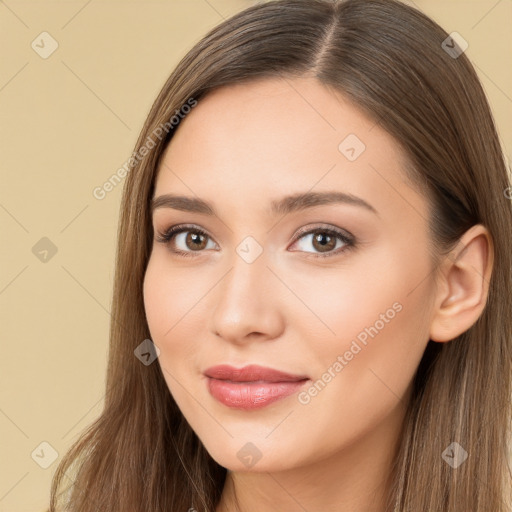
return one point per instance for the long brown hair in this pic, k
(141, 454)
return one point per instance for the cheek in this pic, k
(156, 301)
(369, 289)
(170, 296)
(374, 315)
(163, 307)
(361, 373)
(174, 304)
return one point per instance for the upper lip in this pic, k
(251, 373)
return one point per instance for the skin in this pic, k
(239, 148)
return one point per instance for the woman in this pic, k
(311, 305)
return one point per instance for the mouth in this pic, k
(251, 387)
(251, 373)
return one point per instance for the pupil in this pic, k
(319, 237)
(196, 239)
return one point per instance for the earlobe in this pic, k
(464, 284)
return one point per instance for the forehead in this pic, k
(251, 142)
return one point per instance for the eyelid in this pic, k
(327, 227)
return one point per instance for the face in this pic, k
(334, 290)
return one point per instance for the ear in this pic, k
(463, 285)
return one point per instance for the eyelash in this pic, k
(169, 234)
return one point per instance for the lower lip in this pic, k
(251, 395)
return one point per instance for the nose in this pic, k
(247, 303)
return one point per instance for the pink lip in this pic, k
(251, 387)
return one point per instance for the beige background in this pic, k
(68, 123)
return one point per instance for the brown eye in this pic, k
(185, 240)
(324, 242)
(195, 241)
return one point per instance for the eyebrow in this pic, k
(283, 206)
